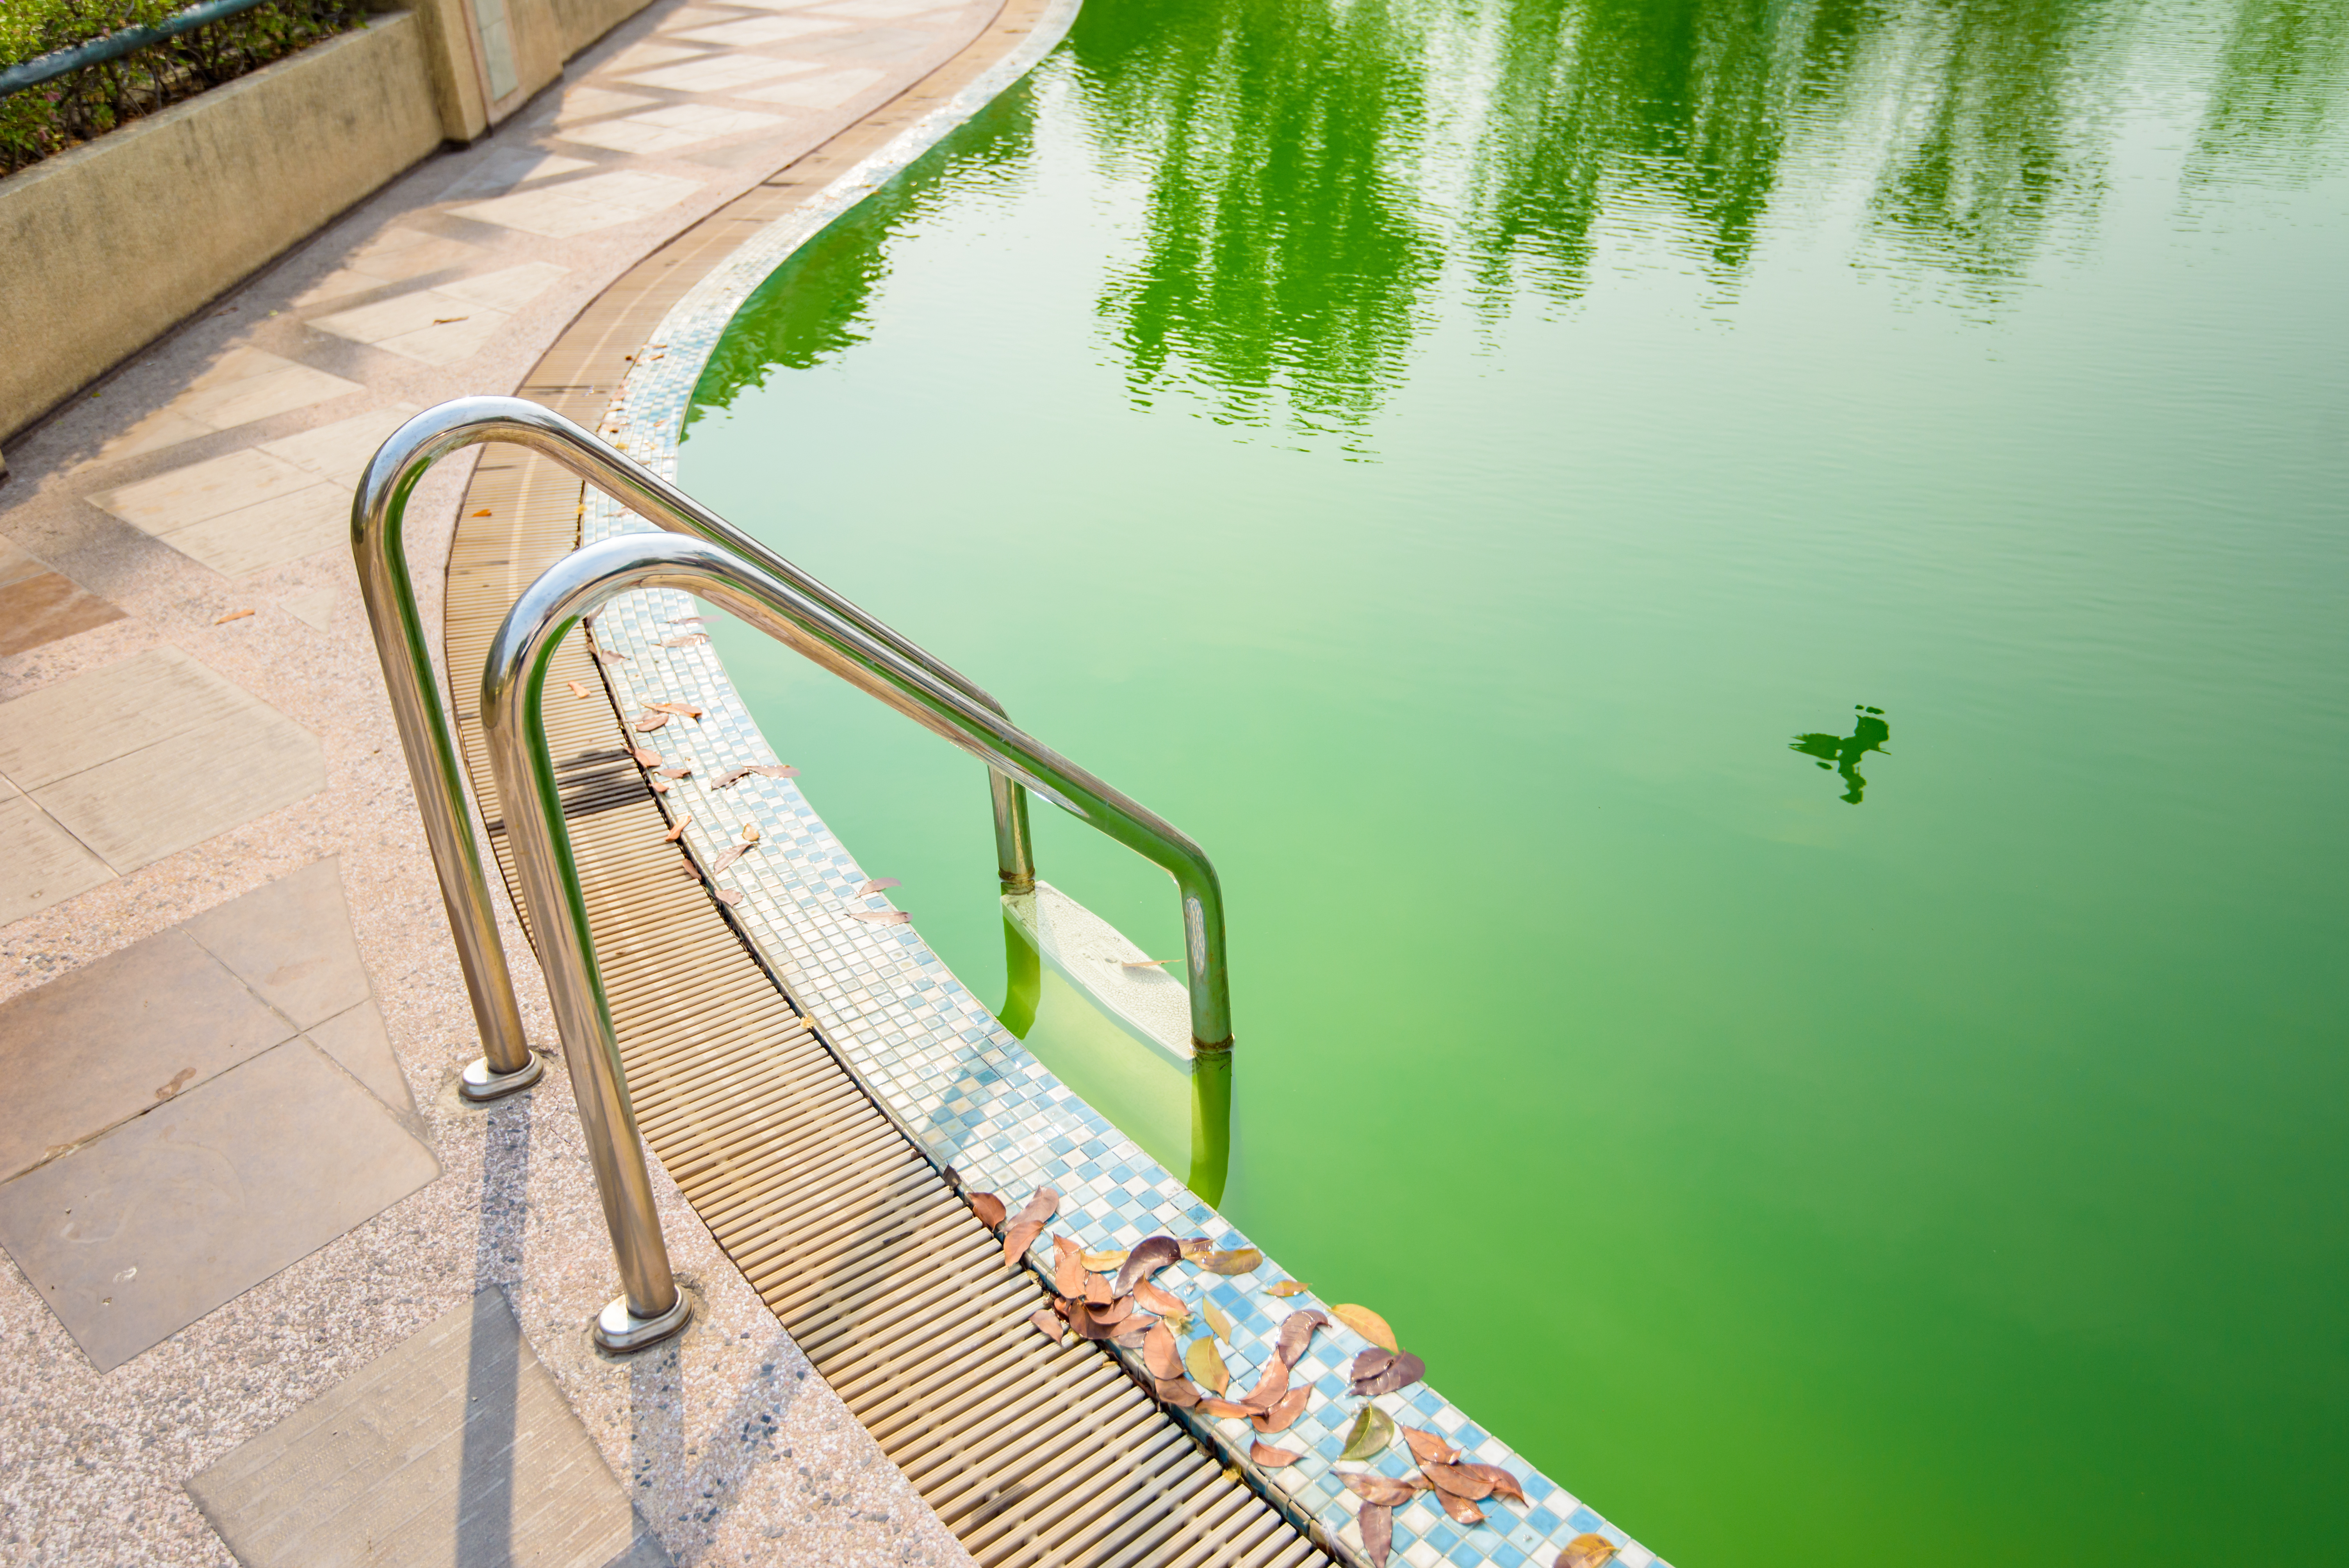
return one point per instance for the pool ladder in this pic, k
(701, 553)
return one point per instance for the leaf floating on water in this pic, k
(1368, 1438)
(1505, 1485)
(1224, 1409)
(1369, 1364)
(1457, 1479)
(1279, 1417)
(877, 885)
(1378, 1532)
(1459, 1508)
(678, 832)
(1206, 1364)
(1402, 1373)
(580, 688)
(989, 1207)
(1103, 1262)
(1096, 1289)
(1297, 1333)
(882, 916)
(1369, 1325)
(1039, 1208)
(1265, 1456)
(1018, 1239)
(1270, 1389)
(1046, 1323)
(1232, 1262)
(1218, 1324)
(1287, 1288)
(1380, 1489)
(1429, 1449)
(682, 709)
(1147, 1258)
(1177, 1391)
(1151, 1297)
(1159, 1354)
(1586, 1551)
(650, 722)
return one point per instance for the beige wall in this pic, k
(581, 22)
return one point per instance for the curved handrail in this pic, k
(513, 694)
(378, 520)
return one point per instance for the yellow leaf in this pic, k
(1206, 1364)
(1369, 1325)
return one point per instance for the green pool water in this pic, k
(1750, 600)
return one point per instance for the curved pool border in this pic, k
(924, 1046)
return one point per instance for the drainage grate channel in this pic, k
(1031, 1452)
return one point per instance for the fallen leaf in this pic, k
(1380, 1489)
(689, 640)
(1223, 1409)
(660, 786)
(1505, 1485)
(1287, 1288)
(231, 615)
(1372, 1432)
(1429, 1449)
(876, 884)
(1177, 1391)
(682, 709)
(580, 688)
(726, 895)
(1297, 1333)
(1264, 1456)
(485, 511)
(645, 758)
(727, 856)
(1378, 1532)
(684, 772)
(1039, 1208)
(1457, 1479)
(748, 833)
(1232, 1262)
(1206, 1364)
(1405, 1371)
(1068, 1272)
(882, 916)
(1270, 1389)
(736, 777)
(1091, 1323)
(610, 656)
(691, 872)
(651, 722)
(1103, 1262)
(678, 832)
(1195, 1248)
(1586, 1551)
(1160, 1353)
(1132, 1336)
(1369, 1364)
(1459, 1508)
(1147, 1258)
(686, 620)
(1156, 1300)
(1369, 1325)
(1143, 963)
(1279, 1417)
(1046, 1324)
(1217, 1322)
(179, 1081)
(1018, 1239)
(1096, 1289)
(989, 1207)
(443, 321)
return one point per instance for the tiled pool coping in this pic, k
(938, 1059)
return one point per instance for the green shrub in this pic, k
(91, 101)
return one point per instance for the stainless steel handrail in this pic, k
(513, 694)
(377, 541)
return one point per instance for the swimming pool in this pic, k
(1749, 602)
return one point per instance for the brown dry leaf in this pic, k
(1402, 1373)
(690, 872)
(647, 759)
(1129, 1335)
(1218, 1324)
(1232, 1262)
(1372, 1432)
(1039, 1208)
(877, 884)
(660, 786)
(776, 770)
(231, 615)
(682, 709)
(1264, 1456)
(1165, 1304)
(881, 916)
(1297, 1333)
(1117, 1311)
(689, 640)
(748, 833)
(1457, 1479)
(1269, 1389)
(485, 511)
(678, 832)
(1018, 1239)
(1086, 1320)
(1586, 1551)
(726, 895)
(1459, 1508)
(611, 655)
(684, 772)
(1160, 1353)
(1147, 1258)
(1287, 1288)
(1380, 1488)
(1369, 1364)
(650, 722)
(1068, 1272)
(1505, 1485)
(686, 620)
(1103, 1262)
(1047, 1324)
(1369, 1325)
(580, 688)
(1096, 1288)
(1195, 1248)
(736, 777)
(989, 1207)
(1279, 1417)
(1223, 1409)
(1177, 1391)
(1143, 963)
(1429, 1449)
(727, 856)
(1206, 1364)
(1378, 1532)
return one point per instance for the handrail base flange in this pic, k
(482, 1083)
(620, 1332)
